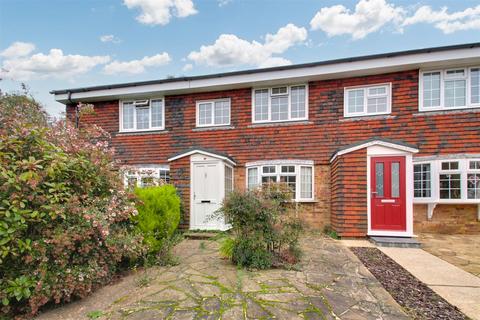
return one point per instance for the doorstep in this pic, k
(399, 242)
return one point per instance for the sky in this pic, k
(59, 44)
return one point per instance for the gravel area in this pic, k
(417, 299)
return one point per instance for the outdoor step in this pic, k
(399, 242)
(200, 235)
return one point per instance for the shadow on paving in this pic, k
(330, 283)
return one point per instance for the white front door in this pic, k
(207, 195)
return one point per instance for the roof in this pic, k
(201, 150)
(375, 141)
(427, 58)
(289, 67)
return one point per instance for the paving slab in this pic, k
(458, 287)
(329, 283)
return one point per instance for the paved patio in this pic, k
(462, 251)
(331, 283)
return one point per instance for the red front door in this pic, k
(388, 194)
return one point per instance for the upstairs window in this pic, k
(370, 100)
(450, 89)
(283, 103)
(213, 113)
(142, 115)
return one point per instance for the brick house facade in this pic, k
(340, 184)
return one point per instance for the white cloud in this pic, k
(137, 66)
(110, 38)
(155, 12)
(18, 49)
(222, 3)
(467, 19)
(187, 67)
(52, 65)
(369, 16)
(230, 50)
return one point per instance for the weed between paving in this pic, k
(417, 299)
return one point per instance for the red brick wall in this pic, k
(315, 139)
(349, 194)
(447, 218)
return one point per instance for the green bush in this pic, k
(158, 215)
(64, 216)
(265, 228)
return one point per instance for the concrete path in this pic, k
(455, 285)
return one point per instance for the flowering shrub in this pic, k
(264, 226)
(64, 216)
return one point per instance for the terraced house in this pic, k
(385, 145)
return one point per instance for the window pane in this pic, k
(279, 108)
(450, 186)
(298, 101)
(376, 105)
(268, 169)
(252, 178)
(205, 113)
(128, 115)
(222, 112)
(379, 179)
(288, 169)
(451, 165)
(455, 93)
(474, 165)
(395, 179)
(431, 89)
(143, 117)
(261, 105)
(164, 176)
(228, 180)
(355, 101)
(306, 183)
(279, 90)
(422, 180)
(157, 113)
(290, 181)
(147, 182)
(473, 186)
(269, 179)
(475, 85)
(377, 91)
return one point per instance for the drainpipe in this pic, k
(77, 113)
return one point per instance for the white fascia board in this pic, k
(277, 162)
(375, 143)
(213, 155)
(327, 71)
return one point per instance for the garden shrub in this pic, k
(158, 215)
(265, 228)
(64, 215)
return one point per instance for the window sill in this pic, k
(368, 117)
(306, 201)
(447, 111)
(227, 127)
(138, 133)
(280, 123)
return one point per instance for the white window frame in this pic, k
(212, 102)
(388, 95)
(278, 167)
(141, 172)
(288, 94)
(432, 178)
(134, 129)
(436, 170)
(443, 78)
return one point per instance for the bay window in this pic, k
(146, 176)
(142, 115)
(283, 103)
(297, 176)
(447, 181)
(450, 89)
(368, 100)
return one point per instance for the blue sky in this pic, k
(60, 44)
